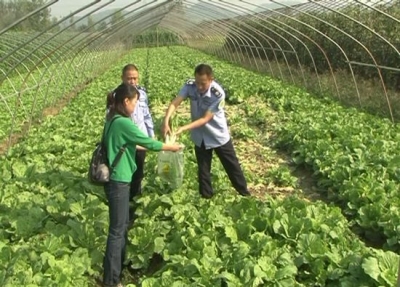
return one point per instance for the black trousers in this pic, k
(138, 175)
(227, 155)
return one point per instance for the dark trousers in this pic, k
(138, 175)
(227, 155)
(118, 207)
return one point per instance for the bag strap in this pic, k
(104, 129)
(121, 150)
(118, 157)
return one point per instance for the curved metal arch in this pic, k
(243, 38)
(320, 33)
(15, 57)
(17, 54)
(286, 15)
(367, 50)
(196, 31)
(122, 25)
(311, 7)
(89, 51)
(238, 31)
(171, 27)
(46, 56)
(55, 50)
(71, 62)
(222, 51)
(361, 44)
(74, 36)
(292, 35)
(304, 44)
(115, 30)
(244, 34)
(53, 65)
(222, 28)
(91, 59)
(378, 10)
(37, 10)
(18, 90)
(277, 34)
(115, 12)
(174, 23)
(239, 37)
(217, 34)
(110, 35)
(51, 27)
(264, 19)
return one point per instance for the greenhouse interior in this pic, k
(306, 91)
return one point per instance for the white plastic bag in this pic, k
(170, 165)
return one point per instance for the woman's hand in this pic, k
(173, 147)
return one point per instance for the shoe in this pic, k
(207, 196)
(118, 285)
(246, 193)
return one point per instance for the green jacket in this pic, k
(124, 131)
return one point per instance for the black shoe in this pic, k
(206, 195)
(118, 285)
(246, 193)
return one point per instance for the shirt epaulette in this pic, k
(216, 92)
(190, 82)
(141, 88)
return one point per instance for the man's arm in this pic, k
(172, 107)
(208, 115)
(170, 111)
(182, 95)
(197, 123)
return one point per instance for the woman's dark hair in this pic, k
(116, 99)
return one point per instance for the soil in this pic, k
(55, 109)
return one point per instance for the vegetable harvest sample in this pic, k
(171, 164)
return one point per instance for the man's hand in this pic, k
(165, 129)
(180, 130)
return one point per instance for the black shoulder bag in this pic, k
(99, 169)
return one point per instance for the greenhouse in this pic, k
(310, 90)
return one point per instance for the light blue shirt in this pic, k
(215, 133)
(141, 116)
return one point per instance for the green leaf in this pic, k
(371, 267)
(231, 233)
(286, 271)
(229, 278)
(159, 245)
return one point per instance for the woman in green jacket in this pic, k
(122, 131)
